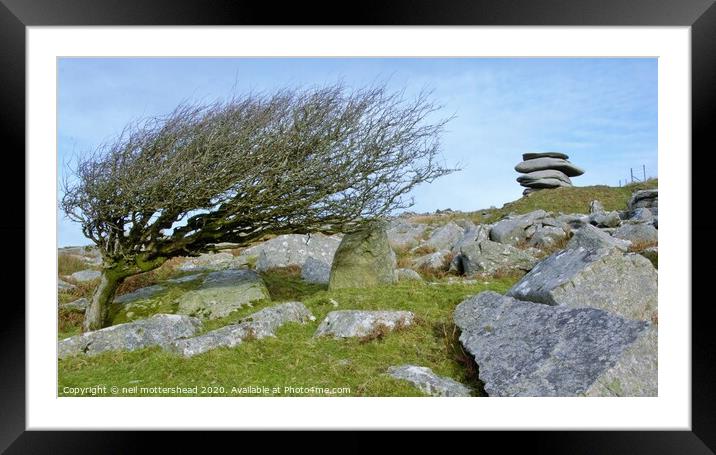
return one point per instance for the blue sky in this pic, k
(601, 112)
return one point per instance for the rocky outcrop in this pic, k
(444, 237)
(513, 230)
(261, 324)
(489, 257)
(356, 323)
(293, 250)
(645, 199)
(363, 259)
(546, 170)
(223, 292)
(158, 330)
(624, 284)
(428, 382)
(592, 238)
(530, 349)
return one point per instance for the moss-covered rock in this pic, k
(363, 259)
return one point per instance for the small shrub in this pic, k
(423, 250)
(69, 321)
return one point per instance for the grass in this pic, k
(295, 358)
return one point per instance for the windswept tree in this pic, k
(297, 161)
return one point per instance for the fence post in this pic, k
(643, 168)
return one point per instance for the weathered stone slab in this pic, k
(428, 382)
(363, 259)
(541, 164)
(592, 238)
(261, 324)
(624, 284)
(223, 292)
(316, 271)
(158, 330)
(490, 257)
(357, 323)
(529, 349)
(84, 276)
(139, 294)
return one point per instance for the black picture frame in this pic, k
(16, 15)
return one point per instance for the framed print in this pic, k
(409, 218)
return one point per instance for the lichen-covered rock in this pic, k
(84, 276)
(213, 262)
(357, 323)
(438, 260)
(444, 237)
(635, 374)
(490, 257)
(428, 382)
(141, 293)
(625, 284)
(595, 207)
(403, 235)
(79, 305)
(186, 278)
(592, 238)
(407, 275)
(315, 271)
(529, 349)
(293, 250)
(363, 259)
(158, 330)
(638, 234)
(223, 292)
(261, 324)
(513, 230)
(645, 199)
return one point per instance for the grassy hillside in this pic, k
(295, 358)
(565, 200)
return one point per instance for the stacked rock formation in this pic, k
(545, 170)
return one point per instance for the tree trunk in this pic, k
(98, 309)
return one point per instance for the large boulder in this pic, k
(316, 271)
(444, 237)
(357, 323)
(542, 164)
(638, 233)
(428, 382)
(529, 349)
(513, 230)
(625, 284)
(261, 324)
(592, 238)
(605, 219)
(223, 292)
(489, 257)
(212, 262)
(641, 215)
(84, 276)
(293, 250)
(158, 330)
(363, 259)
(403, 234)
